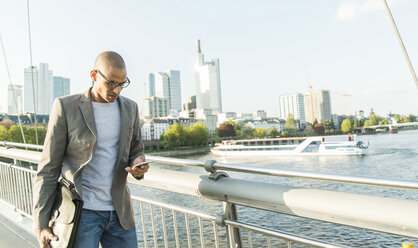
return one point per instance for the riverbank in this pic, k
(180, 152)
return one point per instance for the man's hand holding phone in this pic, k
(139, 167)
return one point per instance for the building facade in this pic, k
(152, 129)
(208, 83)
(150, 86)
(191, 104)
(292, 104)
(167, 85)
(14, 99)
(61, 87)
(155, 107)
(321, 106)
(40, 83)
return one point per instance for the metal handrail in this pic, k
(30, 146)
(398, 183)
(247, 168)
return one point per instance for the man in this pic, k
(93, 139)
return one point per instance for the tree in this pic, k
(6, 123)
(319, 129)
(397, 117)
(404, 119)
(273, 132)
(15, 134)
(31, 135)
(226, 130)
(174, 136)
(197, 134)
(367, 123)
(4, 133)
(247, 132)
(412, 118)
(290, 123)
(346, 126)
(328, 125)
(383, 122)
(356, 123)
(260, 132)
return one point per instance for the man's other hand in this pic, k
(138, 171)
(45, 236)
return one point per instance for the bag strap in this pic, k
(68, 184)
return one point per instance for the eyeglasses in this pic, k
(112, 84)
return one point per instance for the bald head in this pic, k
(109, 60)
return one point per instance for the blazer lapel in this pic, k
(87, 111)
(124, 126)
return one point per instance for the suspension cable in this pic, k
(411, 68)
(13, 90)
(33, 84)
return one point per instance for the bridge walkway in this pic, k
(15, 230)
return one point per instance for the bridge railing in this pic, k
(389, 215)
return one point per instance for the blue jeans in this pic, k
(103, 227)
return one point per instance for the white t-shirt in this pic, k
(98, 174)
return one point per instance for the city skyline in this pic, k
(347, 46)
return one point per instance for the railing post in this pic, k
(232, 233)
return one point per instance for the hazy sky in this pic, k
(347, 46)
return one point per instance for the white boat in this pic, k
(308, 146)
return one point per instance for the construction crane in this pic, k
(345, 100)
(310, 92)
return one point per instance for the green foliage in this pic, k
(346, 126)
(290, 122)
(368, 123)
(412, 118)
(247, 132)
(404, 119)
(174, 136)
(177, 136)
(273, 132)
(197, 135)
(356, 123)
(328, 125)
(397, 117)
(260, 132)
(283, 134)
(4, 133)
(15, 135)
(383, 122)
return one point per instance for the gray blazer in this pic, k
(69, 145)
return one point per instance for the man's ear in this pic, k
(93, 75)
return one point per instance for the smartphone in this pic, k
(142, 163)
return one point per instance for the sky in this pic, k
(347, 46)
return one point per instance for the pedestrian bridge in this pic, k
(168, 223)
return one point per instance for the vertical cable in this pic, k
(411, 68)
(33, 84)
(13, 90)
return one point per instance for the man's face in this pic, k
(107, 92)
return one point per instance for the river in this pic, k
(391, 156)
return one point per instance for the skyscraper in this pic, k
(321, 100)
(17, 94)
(42, 84)
(61, 87)
(292, 104)
(167, 85)
(150, 85)
(208, 84)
